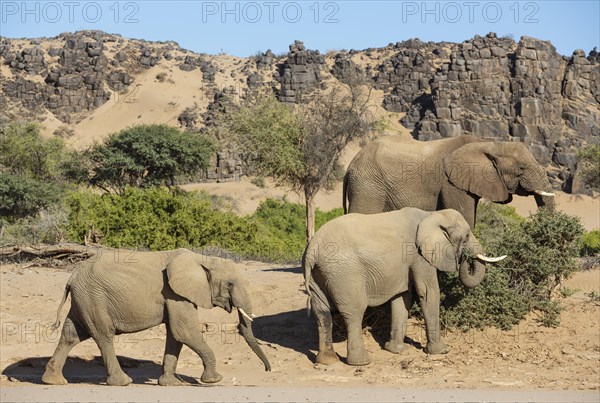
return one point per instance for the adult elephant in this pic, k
(392, 172)
(119, 292)
(359, 260)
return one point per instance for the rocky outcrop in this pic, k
(300, 73)
(74, 78)
(345, 69)
(228, 165)
(30, 60)
(496, 89)
(208, 69)
(406, 76)
(265, 60)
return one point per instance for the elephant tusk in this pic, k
(542, 193)
(245, 315)
(490, 259)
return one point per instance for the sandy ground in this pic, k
(526, 358)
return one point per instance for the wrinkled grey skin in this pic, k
(392, 172)
(124, 292)
(356, 261)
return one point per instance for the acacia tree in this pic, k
(147, 155)
(31, 174)
(300, 146)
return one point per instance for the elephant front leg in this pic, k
(183, 322)
(400, 307)
(428, 290)
(172, 350)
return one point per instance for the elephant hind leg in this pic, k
(322, 313)
(357, 353)
(72, 334)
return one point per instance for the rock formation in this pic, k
(491, 87)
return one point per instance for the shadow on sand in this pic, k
(294, 330)
(82, 370)
(298, 331)
(295, 269)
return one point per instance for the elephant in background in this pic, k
(357, 260)
(392, 172)
(112, 294)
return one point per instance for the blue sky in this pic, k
(244, 27)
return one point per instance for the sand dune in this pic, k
(148, 101)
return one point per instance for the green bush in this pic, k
(282, 229)
(541, 252)
(24, 152)
(590, 165)
(590, 243)
(492, 221)
(158, 219)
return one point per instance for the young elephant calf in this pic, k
(116, 293)
(356, 261)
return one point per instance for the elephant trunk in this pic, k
(242, 302)
(471, 272)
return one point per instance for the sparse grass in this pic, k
(566, 292)
(594, 297)
(258, 181)
(161, 77)
(64, 132)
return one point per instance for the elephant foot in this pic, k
(121, 379)
(395, 346)
(211, 376)
(52, 377)
(327, 358)
(436, 348)
(169, 380)
(361, 358)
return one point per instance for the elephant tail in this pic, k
(307, 264)
(64, 299)
(345, 193)
(316, 296)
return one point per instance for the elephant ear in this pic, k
(188, 279)
(433, 241)
(474, 169)
(220, 287)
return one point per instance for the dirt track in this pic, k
(526, 358)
